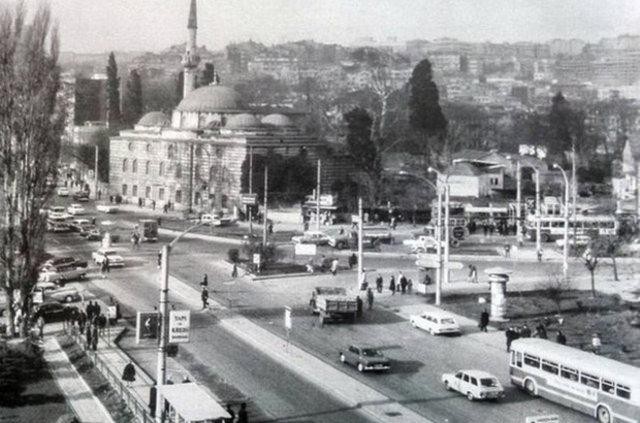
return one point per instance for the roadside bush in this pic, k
(18, 365)
(268, 253)
(233, 254)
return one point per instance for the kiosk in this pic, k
(190, 403)
(498, 278)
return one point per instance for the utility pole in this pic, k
(264, 218)
(191, 178)
(162, 321)
(439, 249)
(538, 213)
(447, 241)
(574, 188)
(565, 261)
(318, 198)
(95, 174)
(518, 204)
(250, 206)
(360, 277)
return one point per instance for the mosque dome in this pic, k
(154, 119)
(277, 119)
(243, 120)
(212, 99)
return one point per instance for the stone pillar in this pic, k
(498, 279)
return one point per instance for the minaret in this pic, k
(190, 60)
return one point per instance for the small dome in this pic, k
(154, 119)
(277, 119)
(243, 120)
(212, 99)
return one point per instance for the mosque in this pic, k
(198, 157)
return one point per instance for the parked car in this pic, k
(86, 229)
(63, 192)
(75, 209)
(106, 208)
(57, 212)
(475, 384)
(435, 322)
(76, 225)
(81, 196)
(66, 294)
(365, 358)
(94, 235)
(61, 273)
(57, 226)
(423, 244)
(339, 239)
(311, 237)
(53, 311)
(66, 261)
(575, 242)
(115, 260)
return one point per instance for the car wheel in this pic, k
(470, 396)
(603, 415)
(530, 387)
(446, 385)
(360, 367)
(343, 358)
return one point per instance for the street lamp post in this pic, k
(318, 197)
(360, 277)
(538, 214)
(250, 206)
(442, 186)
(565, 261)
(264, 217)
(518, 203)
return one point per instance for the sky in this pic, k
(88, 26)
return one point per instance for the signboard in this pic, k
(38, 296)
(249, 199)
(179, 324)
(146, 325)
(287, 318)
(552, 418)
(112, 312)
(256, 259)
(458, 232)
(305, 249)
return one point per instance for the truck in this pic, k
(149, 230)
(333, 303)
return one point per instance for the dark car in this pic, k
(81, 196)
(54, 312)
(365, 358)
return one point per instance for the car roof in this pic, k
(477, 373)
(438, 313)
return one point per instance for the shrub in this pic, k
(233, 254)
(268, 253)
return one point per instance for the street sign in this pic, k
(458, 232)
(249, 199)
(305, 249)
(256, 259)
(287, 318)
(552, 418)
(38, 296)
(179, 325)
(146, 325)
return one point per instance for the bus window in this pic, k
(590, 380)
(623, 391)
(550, 367)
(569, 373)
(557, 224)
(532, 361)
(608, 386)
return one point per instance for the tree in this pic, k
(31, 125)
(179, 87)
(590, 258)
(555, 288)
(113, 90)
(425, 115)
(361, 147)
(133, 106)
(208, 74)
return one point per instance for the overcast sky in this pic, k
(134, 25)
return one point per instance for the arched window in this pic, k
(198, 151)
(124, 165)
(178, 170)
(147, 165)
(161, 169)
(171, 151)
(134, 166)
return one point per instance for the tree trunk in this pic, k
(593, 283)
(615, 268)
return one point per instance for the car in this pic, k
(435, 322)
(339, 239)
(57, 212)
(63, 192)
(115, 260)
(474, 384)
(94, 235)
(52, 291)
(578, 241)
(66, 261)
(57, 226)
(61, 273)
(53, 311)
(75, 209)
(215, 220)
(86, 229)
(81, 196)
(76, 225)
(365, 358)
(311, 237)
(106, 208)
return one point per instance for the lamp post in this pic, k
(318, 197)
(360, 277)
(538, 214)
(250, 206)
(161, 370)
(519, 239)
(565, 261)
(443, 186)
(264, 217)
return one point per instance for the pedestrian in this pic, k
(541, 330)
(561, 338)
(358, 306)
(510, 336)
(334, 266)
(410, 286)
(392, 285)
(270, 228)
(103, 269)
(539, 254)
(484, 320)
(93, 221)
(232, 414)
(525, 332)
(159, 221)
(96, 309)
(306, 225)
(402, 282)
(159, 259)
(427, 279)
(205, 280)
(242, 414)
(102, 322)
(205, 297)
(165, 207)
(87, 328)
(129, 373)
(89, 310)
(507, 251)
(485, 229)
(106, 264)
(111, 199)
(82, 320)
(473, 274)
(234, 271)
(153, 392)
(379, 283)
(40, 326)
(312, 301)
(370, 298)
(596, 343)
(353, 260)
(94, 336)
(153, 204)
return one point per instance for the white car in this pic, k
(474, 384)
(312, 237)
(63, 192)
(435, 322)
(54, 274)
(51, 290)
(213, 220)
(57, 212)
(579, 241)
(75, 209)
(106, 208)
(115, 260)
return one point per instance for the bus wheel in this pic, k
(603, 415)
(530, 387)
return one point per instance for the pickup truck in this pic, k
(333, 303)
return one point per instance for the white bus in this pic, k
(552, 227)
(601, 387)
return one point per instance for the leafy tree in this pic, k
(113, 90)
(85, 152)
(179, 87)
(590, 258)
(425, 115)
(208, 74)
(31, 125)
(133, 105)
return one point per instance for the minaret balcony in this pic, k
(190, 60)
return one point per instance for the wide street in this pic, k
(418, 358)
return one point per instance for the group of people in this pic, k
(403, 284)
(540, 331)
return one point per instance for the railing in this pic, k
(136, 404)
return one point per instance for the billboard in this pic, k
(146, 325)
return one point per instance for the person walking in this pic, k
(561, 338)
(507, 251)
(205, 297)
(40, 326)
(234, 271)
(379, 283)
(510, 335)
(539, 255)
(484, 320)
(596, 343)
(94, 336)
(242, 414)
(358, 306)
(541, 330)
(87, 328)
(129, 373)
(392, 285)
(473, 274)
(370, 298)
(334, 266)
(106, 264)
(353, 260)
(205, 280)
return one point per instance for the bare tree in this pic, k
(31, 124)
(554, 289)
(590, 258)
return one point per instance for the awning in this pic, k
(192, 402)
